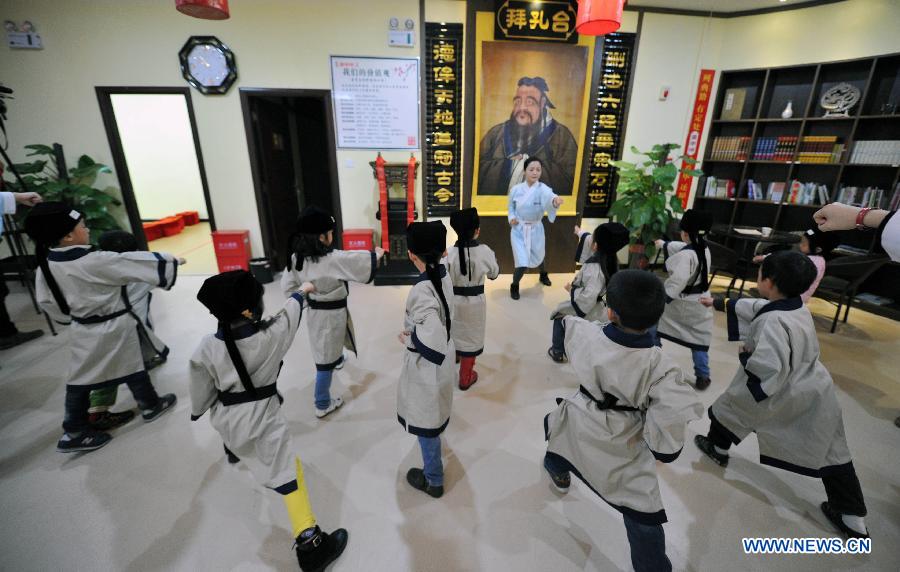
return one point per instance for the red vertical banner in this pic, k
(698, 118)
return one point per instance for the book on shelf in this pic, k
(807, 194)
(733, 106)
(871, 197)
(775, 192)
(820, 149)
(730, 149)
(894, 203)
(779, 148)
(875, 152)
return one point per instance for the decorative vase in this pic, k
(788, 111)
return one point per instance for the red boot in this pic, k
(467, 374)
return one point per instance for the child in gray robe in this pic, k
(686, 321)
(233, 376)
(597, 254)
(330, 327)
(783, 393)
(631, 410)
(154, 351)
(425, 390)
(469, 264)
(87, 288)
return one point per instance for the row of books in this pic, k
(820, 149)
(871, 197)
(779, 148)
(876, 153)
(730, 149)
(717, 188)
(797, 193)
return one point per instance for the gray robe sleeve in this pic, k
(352, 265)
(490, 260)
(768, 362)
(428, 333)
(284, 325)
(672, 403)
(203, 386)
(120, 269)
(579, 344)
(739, 314)
(290, 282)
(587, 286)
(584, 250)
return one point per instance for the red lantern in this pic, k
(205, 9)
(599, 17)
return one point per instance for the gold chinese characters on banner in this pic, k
(443, 129)
(550, 20)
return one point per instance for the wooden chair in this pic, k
(843, 276)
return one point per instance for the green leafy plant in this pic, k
(77, 188)
(645, 203)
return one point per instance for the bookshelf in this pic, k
(748, 141)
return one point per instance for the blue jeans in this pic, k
(701, 363)
(431, 456)
(78, 400)
(559, 336)
(323, 388)
(648, 546)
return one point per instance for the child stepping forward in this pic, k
(233, 376)
(470, 263)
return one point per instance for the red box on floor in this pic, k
(190, 217)
(172, 225)
(357, 239)
(232, 249)
(153, 230)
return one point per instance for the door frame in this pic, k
(104, 98)
(325, 96)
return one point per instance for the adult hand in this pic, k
(379, 253)
(307, 287)
(513, 222)
(836, 216)
(659, 242)
(557, 202)
(28, 199)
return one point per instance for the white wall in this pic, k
(158, 143)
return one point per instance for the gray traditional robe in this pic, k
(93, 282)
(685, 321)
(255, 431)
(429, 374)
(139, 296)
(588, 287)
(631, 410)
(782, 392)
(329, 322)
(469, 308)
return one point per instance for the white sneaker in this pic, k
(335, 404)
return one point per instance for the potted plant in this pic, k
(645, 203)
(74, 186)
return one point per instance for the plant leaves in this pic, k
(39, 150)
(30, 168)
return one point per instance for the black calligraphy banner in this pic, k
(552, 20)
(608, 127)
(443, 113)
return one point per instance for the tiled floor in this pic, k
(194, 244)
(161, 497)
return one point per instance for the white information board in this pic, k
(376, 102)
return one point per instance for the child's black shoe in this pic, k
(702, 383)
(154, 362)
(545, 280)
(232, 458)
(107, 420)
(706, 445)
(561, 481)
(558, 357)
(317, 549)
(514, 291)
(416, 478)
(835, 518)
(85, 441)
(164, 404)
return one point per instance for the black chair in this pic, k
(843, 276)
(725, 261)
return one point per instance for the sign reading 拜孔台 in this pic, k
(551, 20)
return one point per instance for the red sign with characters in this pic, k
(695, 132)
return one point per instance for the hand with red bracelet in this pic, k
(837, 216)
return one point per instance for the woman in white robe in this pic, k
(528, 201)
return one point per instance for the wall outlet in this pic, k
(401, 39)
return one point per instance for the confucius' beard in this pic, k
(523, 135)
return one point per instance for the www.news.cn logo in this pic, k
(807, 546)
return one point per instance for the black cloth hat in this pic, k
(117, 241)
(696, 221)
(611, 237)
(817, 239)
(48, 222)
(465, 222)
(314, 220)
(228, 294)
(426, 238)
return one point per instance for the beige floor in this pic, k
(161, 497)
(195, 245)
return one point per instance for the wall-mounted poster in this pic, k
(376, 102)
(531, 100)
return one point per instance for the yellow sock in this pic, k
(299, 510)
